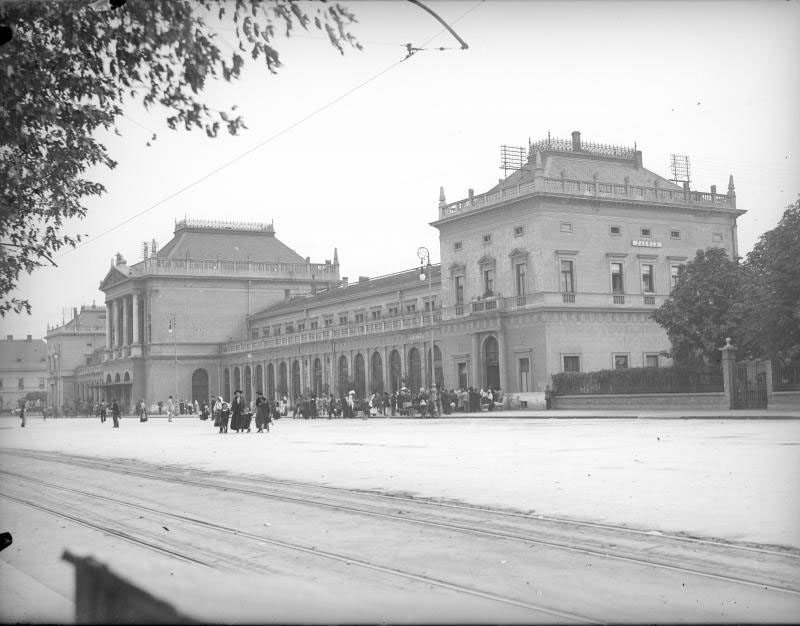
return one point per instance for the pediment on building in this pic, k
(114, 277)
(456, 268)
(518, 253)
(487, 260)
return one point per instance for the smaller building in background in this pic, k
(23, 369)
(69, 347)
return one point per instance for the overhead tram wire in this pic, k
(227, 164)
(264, 142)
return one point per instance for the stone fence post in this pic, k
(728, 371)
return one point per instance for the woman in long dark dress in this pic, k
(238, 421)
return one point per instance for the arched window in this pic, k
(360, 376)
(248, 385)
(491, 359)
(395, 371)
(376, 373)
(258, 381)
(271, 381)
(344, 376)
(317, 377)
(237, 380)
(414, 370)
(283, 379)
(200, 385)
(296, 384)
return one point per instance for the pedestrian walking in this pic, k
(170, 409)
(224, 414)
(237, 412)
(115, 412)
(22, 415)
(103, 412)
(142, 411)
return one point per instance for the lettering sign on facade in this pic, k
(646, 244)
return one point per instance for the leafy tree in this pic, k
(67, 73)
(772, 302)
(705, 307)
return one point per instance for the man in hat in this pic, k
(262, 413)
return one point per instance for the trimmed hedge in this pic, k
(639, 380)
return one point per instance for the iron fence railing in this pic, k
(785, 377)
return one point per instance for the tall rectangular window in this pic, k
(620, 361)
(488, 282)
(651, 360)
(648, 281)
(675, 273)
(524, 374)
(462, 375)
(459, 290)
(519, 278)
(21, 383)
(359, 318)
(567, 277)
(572, 363)
(617, 285)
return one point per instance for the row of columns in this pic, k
(330, 371)
(117, 333)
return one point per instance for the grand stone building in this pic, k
(169, 313)
(560, 266)
(556, 268)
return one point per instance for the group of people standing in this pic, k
(239, 414)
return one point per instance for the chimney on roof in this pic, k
(144, 249)
(29, 338)
(153, 248)
(442, 200)
(363, 279)
(576, 141)
(308, 259)
(335, 256)
(74, 311)
(731, 188)
(344, 281)
(637, 159)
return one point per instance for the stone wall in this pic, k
(677, 401)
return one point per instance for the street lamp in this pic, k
(425, 271)
(172, 330)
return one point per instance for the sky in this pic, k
(349, 151)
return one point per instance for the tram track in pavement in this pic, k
(225, 533)
(764, 568)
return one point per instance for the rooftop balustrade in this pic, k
(155, 266)
(590, 188)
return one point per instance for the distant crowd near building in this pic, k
(556, 268)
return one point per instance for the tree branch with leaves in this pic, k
(67, 74)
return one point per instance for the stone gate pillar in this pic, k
(729, 372)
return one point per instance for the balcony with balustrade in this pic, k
(419, 321)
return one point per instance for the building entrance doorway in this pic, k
(200, 385)
(491, 357)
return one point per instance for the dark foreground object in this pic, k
(102, 597)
